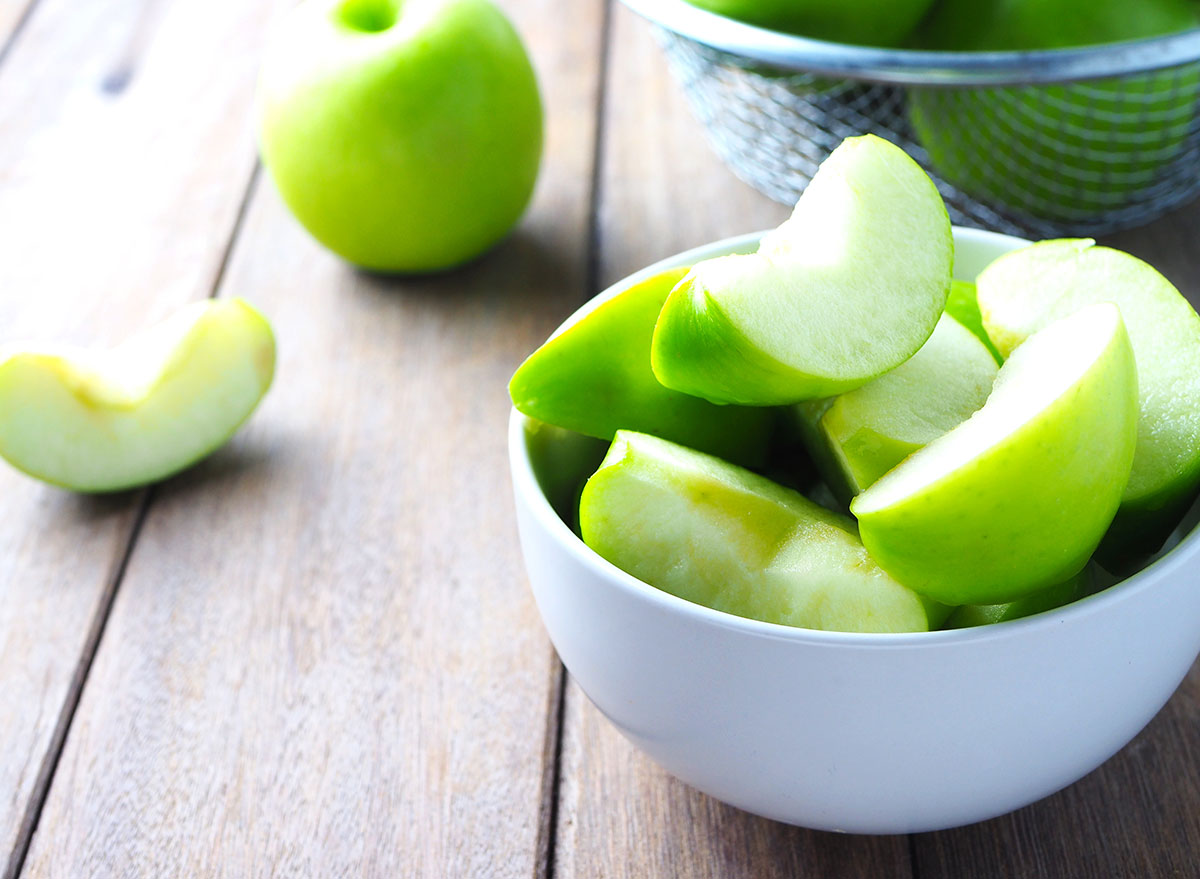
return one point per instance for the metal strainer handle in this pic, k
(912, 67)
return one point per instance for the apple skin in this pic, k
(849, 287)
(1064, 152)
(107, 421)
(717, 535)
(595, 378)
(403, 144)
(1024, 290)
(963, 305)
(860, 22)
(1027, 508)
(1059, 595)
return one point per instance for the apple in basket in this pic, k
(1065, 152)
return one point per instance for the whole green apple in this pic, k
(1024, 290)
(1017, 497)
(715, 534)
(405, 136)
(1060, 151)
(98, 421)
(861, 22)
(595, 378)
(849, 287)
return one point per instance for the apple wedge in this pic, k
(1025, 290)
(97, 421)
(845, 290)
(1058, 595)
(595, 378)
(715, 534)
(860, 435)
(1016, 498)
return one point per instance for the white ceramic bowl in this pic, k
(851, 732)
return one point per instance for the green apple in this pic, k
(595, 378)
(1058, 595)
(108, 420)
(858, 436)
(715, 534)
(405, 135)
(848, 288)
(1026, 289)
(1060, 151)
(862, 22)
(1016, 498)
(963, 306)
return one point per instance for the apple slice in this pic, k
(1058, 595)
(107, 420)
(848, 288)
(715, 534)
(857, 437)
(595, 378)
(1026, 289)
(963, 305)
(1016, 498)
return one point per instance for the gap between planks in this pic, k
(557, 703)
(41, 790)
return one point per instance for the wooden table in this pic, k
(316, 654)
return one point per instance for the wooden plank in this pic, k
(1139, 814)
(115, 206)
(11, 14)
(324, 660)
(664, 190)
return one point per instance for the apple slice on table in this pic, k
(712, 533)
(858, 436)
(963, 305)
(1026, 289)
(1058, 595)
(848, 288)
(1016, 498)
(595, 378)
(107, 420)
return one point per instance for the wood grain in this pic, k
(11, 14)
(324, 659)
(662, 190)
(114, 208)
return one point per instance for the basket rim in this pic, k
(913, 66)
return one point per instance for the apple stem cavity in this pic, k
(368, 16)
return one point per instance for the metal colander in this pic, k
(1065, 142)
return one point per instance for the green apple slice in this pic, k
(97, 421)
(963, 305)
(860, 435)
(1058, 595)
(848, 288)
(595, 378)
(1025, 290)
(715, 534)
(1016, 498)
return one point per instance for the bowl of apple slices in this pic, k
(866, 523)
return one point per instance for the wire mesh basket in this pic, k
(1064, 142)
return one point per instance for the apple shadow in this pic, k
(526, 267)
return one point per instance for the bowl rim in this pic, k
(918, 66)
(525, 485)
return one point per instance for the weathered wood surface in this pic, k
(323, 659)
(123, 163)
